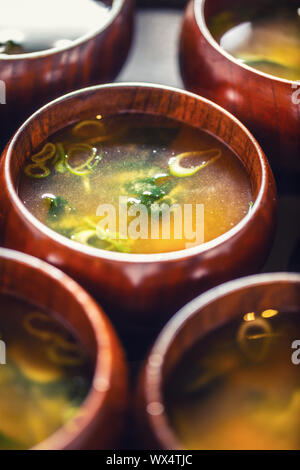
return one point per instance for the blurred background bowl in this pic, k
(136, 289)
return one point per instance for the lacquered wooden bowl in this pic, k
(99, 420)
(200, 317)
(33, 79)
(141, 289)
(268, 105)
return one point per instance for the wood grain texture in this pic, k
(264, 103)
(141, 290)
(100, 419)
(202, 316)
(36, 78)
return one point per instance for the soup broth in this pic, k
(239, 387)
(152, 164)
(45, 374)
(264, 36)
(35, 25)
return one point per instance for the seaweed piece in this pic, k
(147, 191)
(59, 207)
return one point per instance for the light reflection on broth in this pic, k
(238, 388)
(45, 379)
(146, 159)
(264, 35)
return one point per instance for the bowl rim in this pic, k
(115, 9)
(101, 381)
(132, 257)
(198, 7)
(152, 378)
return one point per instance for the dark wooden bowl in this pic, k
(141, 289)
(263, 102)
(208, 312)
(100, 418)
(33, 79)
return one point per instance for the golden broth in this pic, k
(139, 159)
(264, 36)
(45, 379)
(238, 388)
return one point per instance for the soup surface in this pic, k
(110, 183)
(240, 388)
(45, 374)
(264, 36)
(35, 25)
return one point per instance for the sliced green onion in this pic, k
(161, 178)
(179, 171)
(86, 183)
(101, 138)
(39, 162)
(257, 61)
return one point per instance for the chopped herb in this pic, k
(149, 190)
(59, 207)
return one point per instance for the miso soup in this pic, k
(112, 183)
(264, 35)
(45, 374)
(35, 25)
(239, 388)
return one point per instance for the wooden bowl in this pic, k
(141, 289)
(268, 105)
(200, 317)
(33, 79)
(99, 420)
